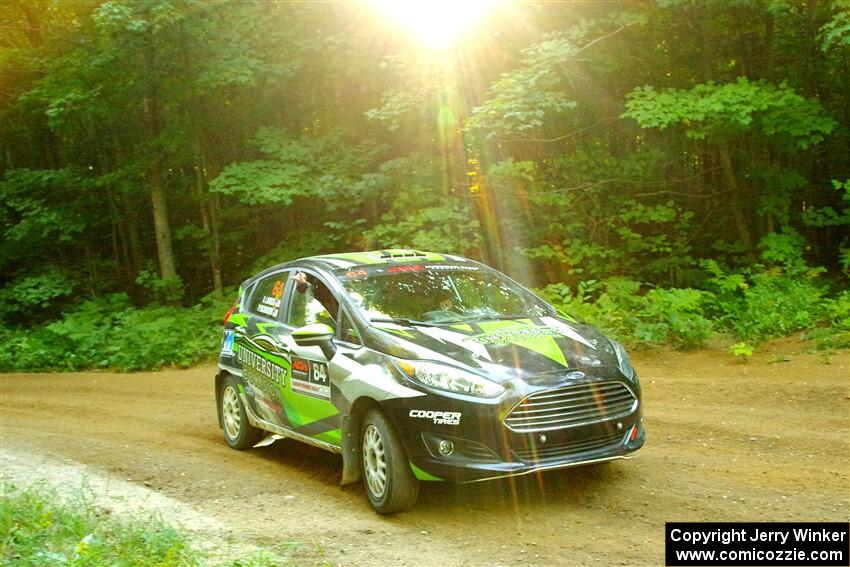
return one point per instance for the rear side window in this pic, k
(266, 298)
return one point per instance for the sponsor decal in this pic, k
(357, 274)
(514, 335)
(477, 349)
(261, 372)
(227, 343)
(438, 417)
(568, 331)
(396, 269)
(277, 290)
(270, 306)
(453, 267)
(310, 378)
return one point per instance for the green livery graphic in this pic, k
(365, 354)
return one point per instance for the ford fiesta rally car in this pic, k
(420, 366)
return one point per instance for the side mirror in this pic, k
(317, 334)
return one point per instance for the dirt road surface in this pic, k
(728, 441)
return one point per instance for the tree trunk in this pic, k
(209, 218)
(215, 248)
(33, 28)
(162, 229)
(131, 227)
(739, 216)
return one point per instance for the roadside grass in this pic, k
(38, 526)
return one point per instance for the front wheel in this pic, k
(238, 431)
(390, 484)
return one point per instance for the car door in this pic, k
(314, 402)
(261, 352)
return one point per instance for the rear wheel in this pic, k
(238, 432)
(390, 484)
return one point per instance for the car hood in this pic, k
(503, 350)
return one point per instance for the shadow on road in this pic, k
(566, 486)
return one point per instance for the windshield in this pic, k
(438, 293)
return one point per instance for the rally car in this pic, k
(420, 366)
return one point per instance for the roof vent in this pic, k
(394, 254)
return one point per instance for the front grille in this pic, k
(571, 406)
(534, 451)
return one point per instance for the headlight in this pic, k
(623, 360)
(443, 377)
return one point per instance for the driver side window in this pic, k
(312, 305)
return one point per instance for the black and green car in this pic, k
(420, 366)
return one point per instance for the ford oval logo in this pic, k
(575, 375)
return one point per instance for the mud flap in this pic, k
(350, 460)
(267, 440)
(218, 380)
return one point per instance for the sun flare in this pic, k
(437, 24)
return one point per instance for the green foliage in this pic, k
(324, 167)
(396, 105)
(591, 229)
(31, 207)
(422, 214)
(42, 211)
(835, 34)
(521, 100)
(834, 332)
(441, 228)
(770, 300)
(165, 290)
(594, 230)
(838, 311)
(828, 216)
(39, 527)
(109, 333)
(673, 143)
(781, 187)
(742, 350)
(535, 92)
(299, 244)
(30, 296)
(618, 306)
(719, 112)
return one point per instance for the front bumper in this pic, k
(485, 448)
(463, 469)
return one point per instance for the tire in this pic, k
(238, 432)
(381, 452)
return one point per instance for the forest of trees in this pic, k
(665, 168)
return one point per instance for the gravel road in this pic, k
(728, 441)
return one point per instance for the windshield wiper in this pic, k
(507, 317)
(402, 321)
(489, 317)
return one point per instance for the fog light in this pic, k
(446, 447)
